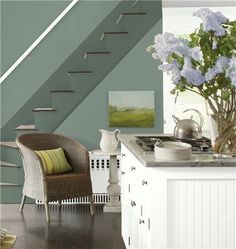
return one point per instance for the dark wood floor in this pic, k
(72, 228)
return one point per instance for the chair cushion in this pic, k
(68, 185)
(54, 161)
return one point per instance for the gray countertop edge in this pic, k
(148, 159)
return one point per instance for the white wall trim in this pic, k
(197, 3)
(38, 40)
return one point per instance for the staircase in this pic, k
(69, 85)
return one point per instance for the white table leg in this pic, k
(113, 189)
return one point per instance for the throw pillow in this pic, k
(54, 161)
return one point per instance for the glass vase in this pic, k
(223, 135)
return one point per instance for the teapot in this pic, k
(188, 128)
(109, 140)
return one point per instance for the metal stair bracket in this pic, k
(112, 33)
(129, 14)
(135, 2)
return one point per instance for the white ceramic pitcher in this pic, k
(109, 140)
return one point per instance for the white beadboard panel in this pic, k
(198, 203)
(173, 214)
(222, 215)
(182, 226)
(201, 214)
(190, 214)
(206, 209)
(159, 210)
(214, 214)
(231, 210)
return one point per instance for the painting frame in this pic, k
(132, 109)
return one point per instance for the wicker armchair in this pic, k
(48, 188)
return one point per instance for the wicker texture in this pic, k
(69, 185)
(45, 188)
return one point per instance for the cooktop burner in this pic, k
(201, 145)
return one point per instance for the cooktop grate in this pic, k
(200, 145)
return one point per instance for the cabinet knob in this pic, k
(141, 221)
(122, 154)
(133, 168)
(144, 182)
(133, 203)
(122, 173)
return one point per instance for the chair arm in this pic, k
(33, 167)
(76, 154)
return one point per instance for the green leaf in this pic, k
(225, 95)
(173, 91)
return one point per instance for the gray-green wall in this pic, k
(22, 23)
(51, 53)
(137, 71)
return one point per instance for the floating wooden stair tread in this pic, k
(62, 91)
(129, 14)
(10, 165)
(96, 53)
(26, 127)
(133, 13)
(9, 144)
(80, 72)
(113, 33)
(44, 109)
(3, 184)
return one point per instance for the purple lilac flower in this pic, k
(219, 67)
(167, 44)
(220, 17)
(196, 53)
(221, 63)
(182, 47)
(173, 70)
(212, 21)
(231, 70)
(192, 75)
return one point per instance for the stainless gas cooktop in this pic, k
(202, 145)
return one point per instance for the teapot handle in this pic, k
(116, 132)
(200, 116)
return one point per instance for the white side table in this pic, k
(113, 189)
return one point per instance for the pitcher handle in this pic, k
(116, 132)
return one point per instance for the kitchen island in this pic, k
(176, 204)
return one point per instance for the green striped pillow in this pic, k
(54, 161)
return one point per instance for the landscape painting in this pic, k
(131, 108)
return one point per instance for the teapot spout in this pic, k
(176, 119)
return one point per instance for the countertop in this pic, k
(148, 159)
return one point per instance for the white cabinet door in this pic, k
(125, 201)
(144, 212)
(135, 202)
(129, 199)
